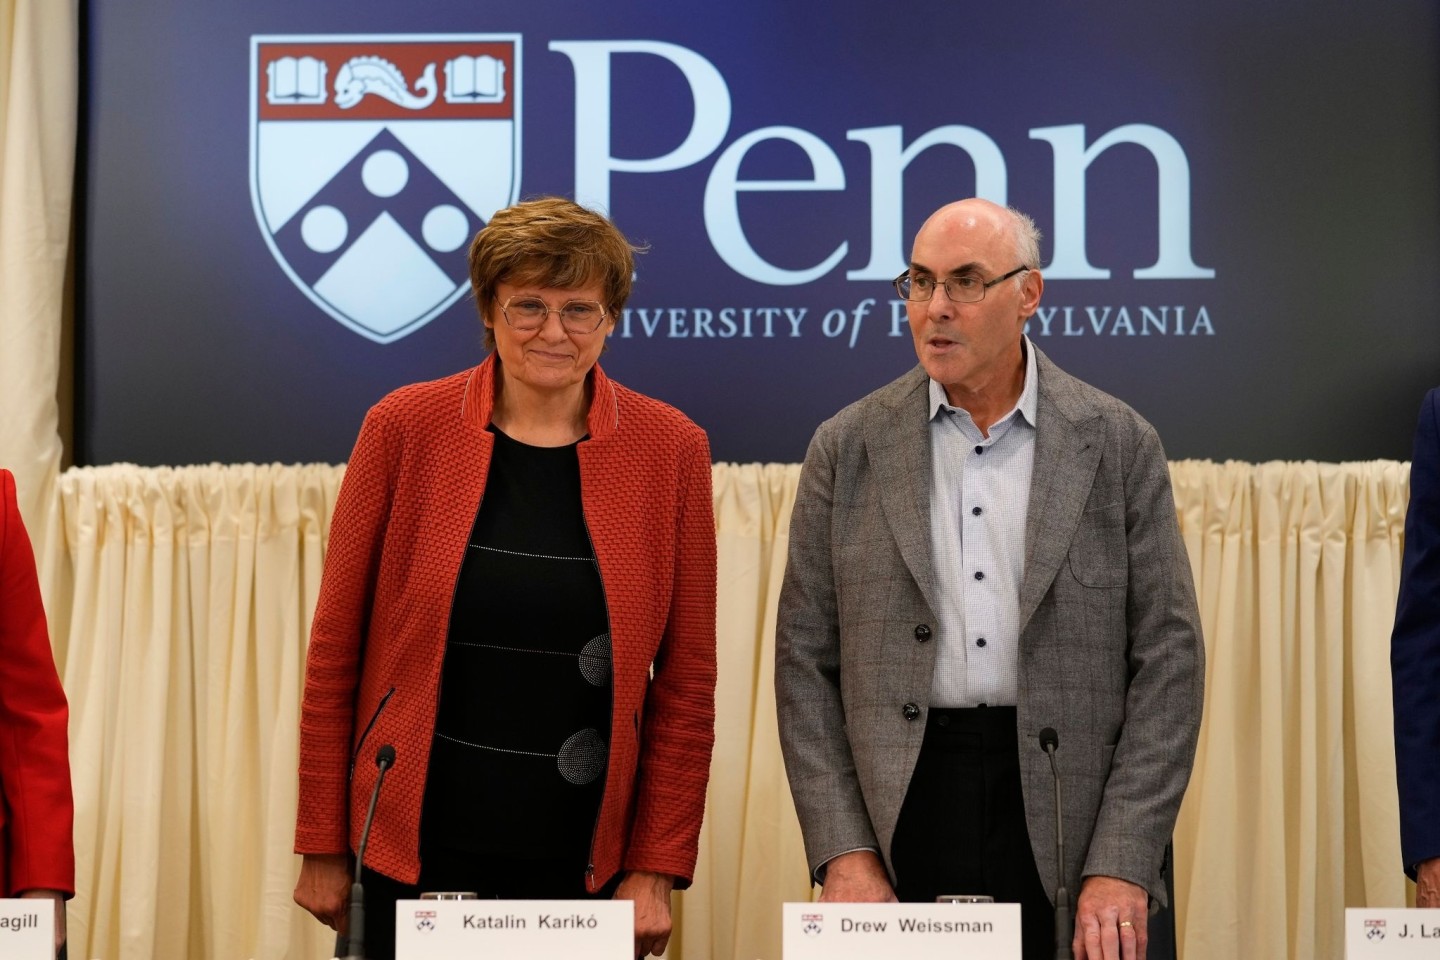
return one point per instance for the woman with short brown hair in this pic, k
(519, 597)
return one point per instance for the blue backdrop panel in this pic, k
(1239, 201)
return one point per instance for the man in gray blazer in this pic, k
(982, 549)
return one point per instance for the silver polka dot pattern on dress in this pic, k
(595, 661)
(582, 757)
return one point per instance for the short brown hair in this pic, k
(554, 242)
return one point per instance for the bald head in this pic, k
(984, 223)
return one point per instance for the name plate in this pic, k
(27, 929)
(1392, 934)
(915, 931)
(514, 929)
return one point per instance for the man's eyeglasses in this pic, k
(963, 289)
(530, 313)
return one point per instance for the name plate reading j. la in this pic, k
(27, 929)
(915, 931)
(514, 929)
(1391, 934)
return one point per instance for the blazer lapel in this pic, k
(1069, 437)
(897, 442)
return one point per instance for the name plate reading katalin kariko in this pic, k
(1391, 934)
(916, 931)
(514, 929)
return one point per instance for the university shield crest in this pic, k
(375, 159)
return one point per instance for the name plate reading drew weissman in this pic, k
(27, 929)
(915, 931)
(1391, 934)
(514, 929)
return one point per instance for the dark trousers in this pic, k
(962, 826)
(444, 870)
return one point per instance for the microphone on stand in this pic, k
(352, 947)
(1050, 742)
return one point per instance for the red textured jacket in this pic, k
(401, 525)
(37, 813)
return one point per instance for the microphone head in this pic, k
(385, 756)
(1049, 739)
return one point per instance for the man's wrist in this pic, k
(861, 861)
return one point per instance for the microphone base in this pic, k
(355, 945)
(1063, 929)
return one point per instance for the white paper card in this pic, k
(1391, 934)
(514, 929)
(915, 931)
(27, 929)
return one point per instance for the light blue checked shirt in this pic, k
(979, 496)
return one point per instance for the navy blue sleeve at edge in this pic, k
(1415, 650)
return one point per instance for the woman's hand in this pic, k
(651, 894)
(324, 888)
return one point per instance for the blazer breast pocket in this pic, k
(1098, 554)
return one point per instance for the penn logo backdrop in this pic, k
(1240, 206)
(363, 187)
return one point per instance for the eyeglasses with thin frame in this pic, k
(966, 288)
(530, 313)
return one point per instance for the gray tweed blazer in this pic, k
(1110, 647)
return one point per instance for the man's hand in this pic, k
(1427, 883)
(651, 894)
(857, 877)
(324, 888)
(59, 899)
(1110, 920)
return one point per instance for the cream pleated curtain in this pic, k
(39, 84)
(180, 623)
(1291, 814)
(181, 618)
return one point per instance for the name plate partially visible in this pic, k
(27, 929)
(1391, 934)
(915, 931)
(514, 929)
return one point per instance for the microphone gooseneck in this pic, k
(354, 943)
(1050, 742)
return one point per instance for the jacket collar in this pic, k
(478, 404)
(897, 441)
(1069, 438)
